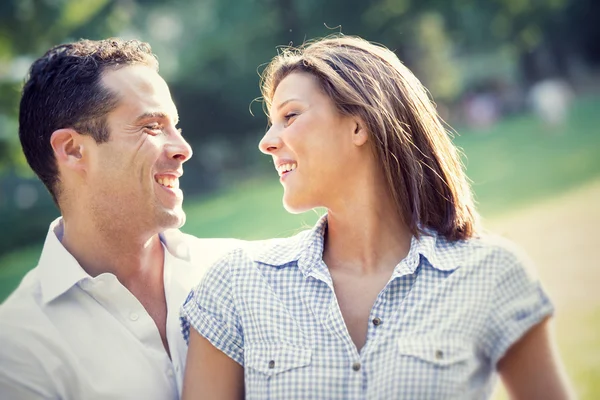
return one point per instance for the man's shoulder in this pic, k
(21, 314)
(26, 298)
(209, 250)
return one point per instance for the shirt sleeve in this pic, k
(518, 304)
(210, 310)
(22, 375)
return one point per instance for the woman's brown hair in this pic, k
(421, 165)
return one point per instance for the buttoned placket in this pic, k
(334, 322)
(382, 311)
(121, 303)
(175, 295)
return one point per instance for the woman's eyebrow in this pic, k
(283, 103)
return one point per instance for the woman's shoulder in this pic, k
(274, 251)
(488, 251)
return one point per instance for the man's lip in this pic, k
(170, 178)
(169, 174)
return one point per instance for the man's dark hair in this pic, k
(64, 90)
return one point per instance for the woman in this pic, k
(394, 293)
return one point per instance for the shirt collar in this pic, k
(439, 253)
(306, 249)
(59, 270)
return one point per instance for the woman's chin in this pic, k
(295, 207)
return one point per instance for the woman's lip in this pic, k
(285, 175)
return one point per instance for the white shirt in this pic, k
(66, 335)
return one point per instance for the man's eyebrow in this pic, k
(156, 115)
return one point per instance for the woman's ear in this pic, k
(360, 135)
(68, 146)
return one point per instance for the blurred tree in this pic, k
(30, 27)
(210, 49)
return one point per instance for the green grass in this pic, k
(250, 210)
(516, 163)
(520, 161)
(579, 343)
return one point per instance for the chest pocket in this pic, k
(439, 351)
(270, 370)
(273, 359)
(442, 364)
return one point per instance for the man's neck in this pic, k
(131, 256)
(136, 260)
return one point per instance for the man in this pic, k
(98, 318)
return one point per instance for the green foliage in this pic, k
(27, 29)
(210, 50)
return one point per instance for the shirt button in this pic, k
(356, 366)
(439, 354)
(376, 321)
(134, 316)
(170, 372)
(271, 364)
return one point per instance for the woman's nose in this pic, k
(270, 142)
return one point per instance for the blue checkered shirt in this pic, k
(438, 328)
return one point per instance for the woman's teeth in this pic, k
(283, 168)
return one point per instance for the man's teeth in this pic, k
(286, 168)
(167, 182)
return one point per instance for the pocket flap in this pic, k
(274, 358)
(441, 351)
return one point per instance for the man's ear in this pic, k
(68, 146)
(360, 135)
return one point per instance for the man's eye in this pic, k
(154, 128)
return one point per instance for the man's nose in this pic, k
(178, 148)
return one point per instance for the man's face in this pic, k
(133, 178)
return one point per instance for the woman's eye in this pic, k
(289, 116)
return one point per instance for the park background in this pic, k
(487, 63)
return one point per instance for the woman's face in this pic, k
(313, 146)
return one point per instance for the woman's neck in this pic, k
(366, 234)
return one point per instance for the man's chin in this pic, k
(173, 219)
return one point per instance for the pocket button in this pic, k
(439, 355)
(271, 364)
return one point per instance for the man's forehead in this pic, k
(141, 90)
(136, 74)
